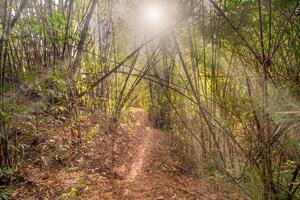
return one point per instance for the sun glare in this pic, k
(150, 17)
(153, 14)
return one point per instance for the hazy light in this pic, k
(153, 14)
(149, 18)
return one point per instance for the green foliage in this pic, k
(5, 193)
(284, 179)
(56, 83)
(57, 19)
(253, 183)
(284, 3)
(6, 171)
(91, 133)
(74, 191)
(41, 106)
(27, 77)
(59, 111)
(4, 117)
(210, 166)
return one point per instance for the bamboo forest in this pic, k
(149, 100)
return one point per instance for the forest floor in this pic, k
(151, 173)
(134, 164)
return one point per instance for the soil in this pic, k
(134, 164)
(151, 172)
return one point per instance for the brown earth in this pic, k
(151, 173)
(134, 164)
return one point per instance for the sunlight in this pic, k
(154, 17)
(153, 14)
(148, 18)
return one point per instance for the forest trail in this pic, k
(146, 140)
(220, 79)
(150, 172)
(145, 167)
(145, 147)
(137, 165)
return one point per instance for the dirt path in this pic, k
(151, 174)
(144, 149)
(145, 167)
(145, 137)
